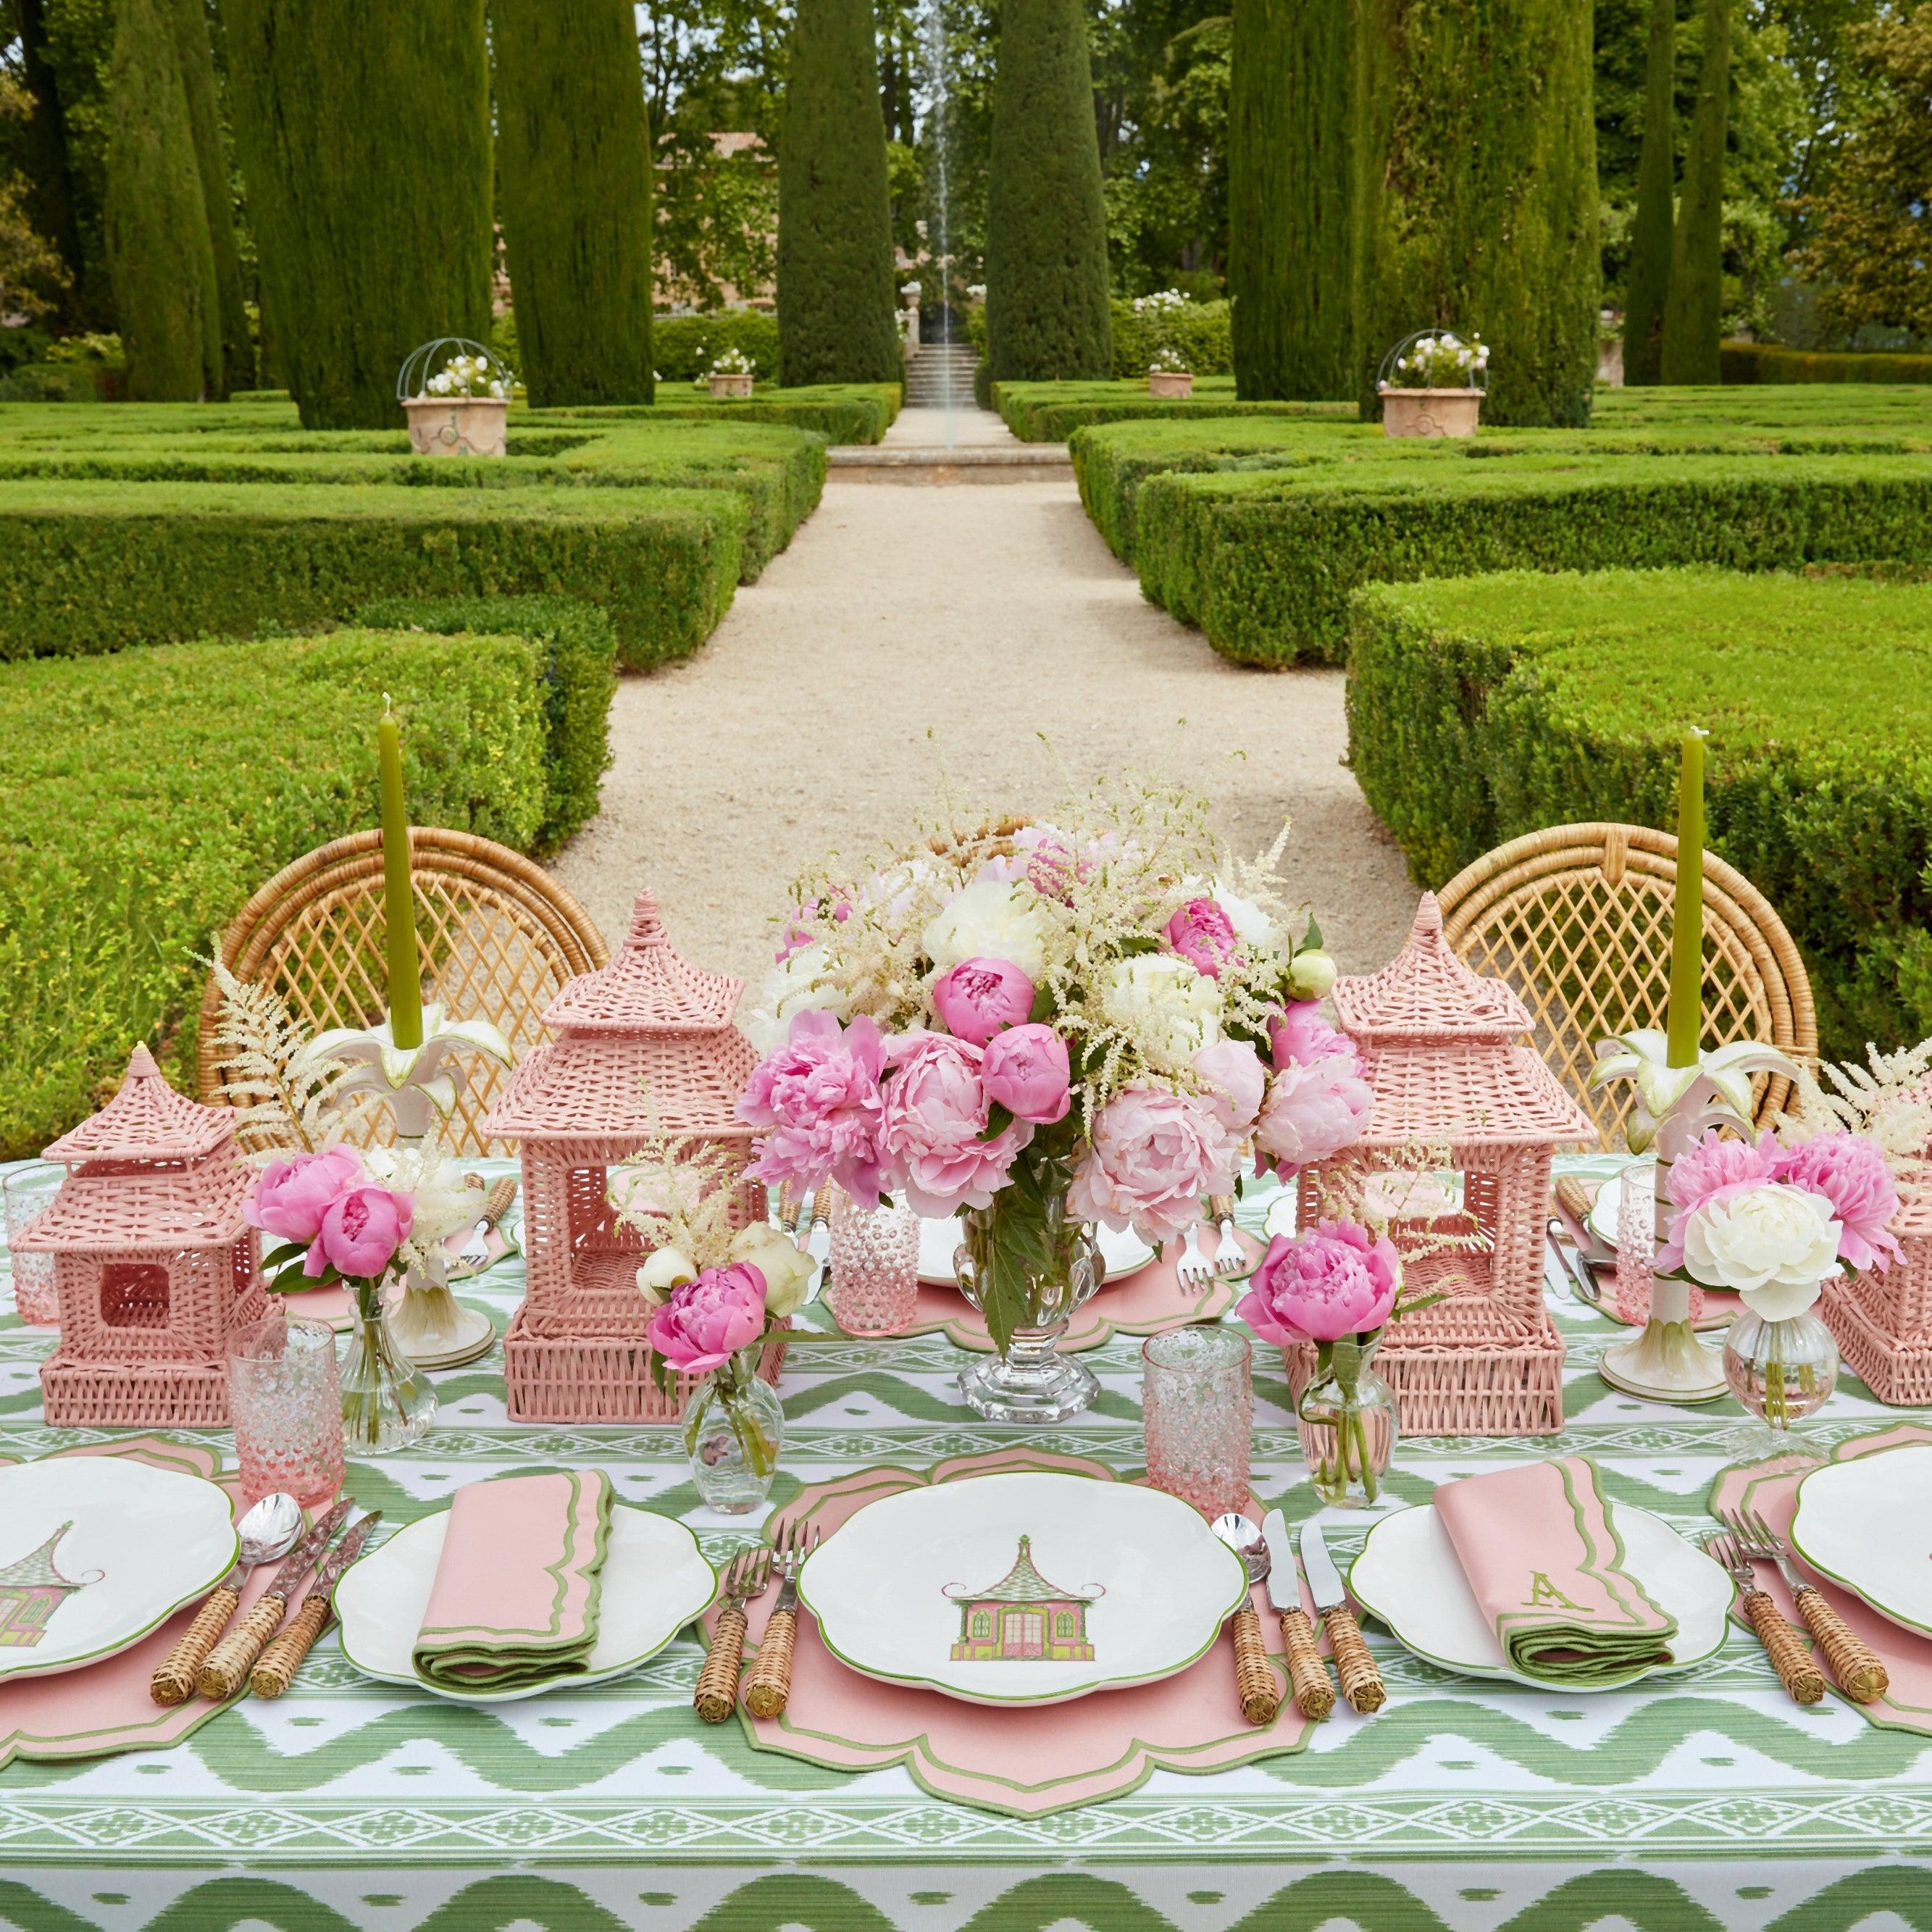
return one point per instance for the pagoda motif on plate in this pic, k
(1023, 1618)
(32, 1588)
(155, 1267)
(1441, 1048)
(642, 1046)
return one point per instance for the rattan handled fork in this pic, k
(716, 1696)
(768, 1686)
(1782, 1644)
(1860, 1673)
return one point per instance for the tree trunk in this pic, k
(1694, 309)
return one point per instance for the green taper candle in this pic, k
(1687, 927)
(399, 910)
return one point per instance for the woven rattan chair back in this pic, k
(498, 938)
(1577, 919)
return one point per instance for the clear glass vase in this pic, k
(733, 1430)
(1027, 1265)
(1781, 1372)
(1346, 1420)
(388, 1402)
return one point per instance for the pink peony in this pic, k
(816, 1100)
(1204, 935)
(1233, 1071)
(1024, 1070)
(360, 1232)
(979, 998)
(1850, 1171)
(1313, 1109)
(1701, 1174)
(1154, 1154)
(1300, 1036)
(707, 1321)
(1335, 1282)
(294, 1192)
(936, 1110)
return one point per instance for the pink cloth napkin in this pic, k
(515, 1598)
(1546, 1563)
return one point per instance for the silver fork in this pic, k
(1860, 1671)
(1194, 1270)
(768, 1686)
(1230, 1257)
(716, 1696)
(1800, 1676)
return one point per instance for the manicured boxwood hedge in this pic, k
(143, 797)
(1765, 362)
(1050, 411)
(1481, 709)
(840, 413)
(683, 346)
(87, 567)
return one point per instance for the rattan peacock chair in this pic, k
(498, 938)
(1577, 919)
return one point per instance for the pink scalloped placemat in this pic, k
(1024, 1762)
(1770, 1489)
(1149, 1301)
(105, 1707)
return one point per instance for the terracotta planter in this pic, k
(736, 387)
(456, 425)
(1430, 411)
(1170, 382)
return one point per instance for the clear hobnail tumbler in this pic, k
(874, 1270)
(286, 1404)
(1198, 1408)
(1636, 1246)
(28, 1189)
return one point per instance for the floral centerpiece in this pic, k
(719, 1292)
(1039, 1026)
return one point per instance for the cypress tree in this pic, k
(1692, 310)
(573, 163)
(195, 57)
(1649, 277)
(836, 314)
(158, 253)
(364, 135)
(1288, 187)
(51, 194)
(1047, 313)
(1475, 204)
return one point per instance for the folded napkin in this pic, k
(515, 1597)
(1546, 1564)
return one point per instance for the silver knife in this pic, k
(1307, 1675)
(275, 1670)
(1361, 1682)
(1570, 1258)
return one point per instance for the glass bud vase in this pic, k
(1781, 1371)
(733, 1429)
(1345, 1418)
(1028, 1265)
(388, 1402)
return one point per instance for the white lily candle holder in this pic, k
(1666, 1361)
(418, 1084)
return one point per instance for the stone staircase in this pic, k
(933, 366)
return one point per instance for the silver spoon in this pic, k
(1243, 1535)
(267, 1530)
(1253, 1679)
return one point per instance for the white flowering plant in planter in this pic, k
(1444, 361)
(732, 362)
(469, 378)
(1168, 362)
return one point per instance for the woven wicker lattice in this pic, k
(1577, 920)
(499, 939)
(146, 1119)
(1882, 1319)
(1426, 993)
(649, 988)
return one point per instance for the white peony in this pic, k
(1773, 1243)
(1310, 975)
(664, 1270)
(1252, 926)
(1173, 1011)
(787, 1271)
(800, 984)
(989, 920)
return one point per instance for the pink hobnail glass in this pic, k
(873, 1273)
(286, 1403)
(1636, 1246)
(29, 1189)
(1197, 1407)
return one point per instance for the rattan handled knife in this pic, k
(279, 1663)
(226, 1667)
(1361, 1682)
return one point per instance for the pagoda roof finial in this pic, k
(1426, 993)
(147, 1120)
(648, 988)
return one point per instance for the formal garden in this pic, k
(1007, 927)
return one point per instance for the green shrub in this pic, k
(576, 651)
(143, 799)
(1765, 362)
(839, 411)
(1052, 412)
(1199, 331)
(1495, 705)
(57, 382)
(685, 346)
(87, 567)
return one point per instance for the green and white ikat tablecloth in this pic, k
(1674, 1807)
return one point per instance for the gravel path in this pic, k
(915, 634)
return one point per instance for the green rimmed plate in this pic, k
(1867, 1523)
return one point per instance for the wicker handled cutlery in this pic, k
(768, 1686)
(1782, 1644)
(1307, 1675)
(266, 1531)
(1354, 1669)
(1860, 1673)
(225, 1668)
(716, 1696)
(1254, 1676)
(276, 1668)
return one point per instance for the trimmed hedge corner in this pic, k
(143, 797)
(1766, 362)
(1484, 708)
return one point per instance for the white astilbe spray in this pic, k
(282, 1107)
(444, 1200)
(1889, 1102)
(1405, 1188)
(679, 1194)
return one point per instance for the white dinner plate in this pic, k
(655, 1580)
(1407, 1575)
(1029, 1588)
(1124, 1253)
(1602, 1218)
(1867, 1523)
(96, 1551)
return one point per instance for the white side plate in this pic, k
(1867, 1524)
(1407, 1575)
(1125, 1254)
(655, 1581)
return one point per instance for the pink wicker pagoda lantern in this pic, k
(155, 1267)
(643, 1046)
(1440, 1046)
(1881, 1318)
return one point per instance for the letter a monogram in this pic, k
(1544, 1595)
